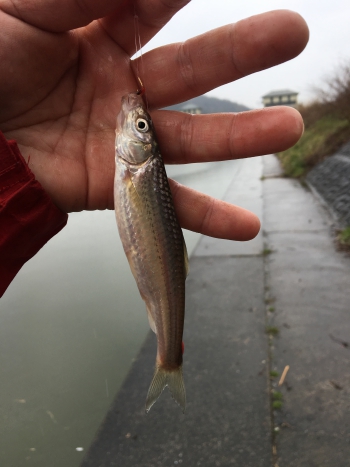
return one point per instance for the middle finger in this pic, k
(178, 72)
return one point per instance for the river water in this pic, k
(71, 324)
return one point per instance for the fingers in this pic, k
(209, 216)
(177, 72)
(60, 16)
(152, 15)
(187, 138)
(33, 62)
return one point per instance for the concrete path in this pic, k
(309, 292)
(296, 286)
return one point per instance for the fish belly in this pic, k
(154, 245)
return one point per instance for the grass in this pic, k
(327, 124)
(277, 405)
(274, 374)
(343, 238)
(277, 398)
(321, 139)
(272, 330)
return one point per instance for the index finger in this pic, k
(178, 72)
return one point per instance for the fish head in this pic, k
(135, 140)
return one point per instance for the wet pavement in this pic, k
(252, 308)
(309, 291)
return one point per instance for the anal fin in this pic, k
(151, 321)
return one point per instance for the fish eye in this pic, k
(142, 125)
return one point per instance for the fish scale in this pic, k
(153, 241)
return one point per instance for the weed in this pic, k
(327, 124)
(344, 236)
(272, 330)
(318, 141)
(272, 309)
(342, 239)
(274, 374)
(277, 405)
(266, 251)
(277, 396)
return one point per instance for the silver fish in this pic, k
(153, 241)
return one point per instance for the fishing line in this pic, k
(138, 53)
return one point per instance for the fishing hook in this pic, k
(141, 90)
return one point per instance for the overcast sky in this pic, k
(329, 23)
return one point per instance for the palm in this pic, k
(67, 136)
(61, 101)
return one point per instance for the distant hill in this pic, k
(211, 105)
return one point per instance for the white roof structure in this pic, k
(281, 92)
(189, 106)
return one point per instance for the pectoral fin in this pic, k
(132, 190)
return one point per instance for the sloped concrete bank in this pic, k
(331, 179)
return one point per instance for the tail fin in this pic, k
(174, 380)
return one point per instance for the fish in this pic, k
(152, 240)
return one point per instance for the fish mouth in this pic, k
(131, 101)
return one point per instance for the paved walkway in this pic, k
(289, 280)
(309, 290)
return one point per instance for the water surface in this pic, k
(70, 325)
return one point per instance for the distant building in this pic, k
(191, 108)
(282, 97)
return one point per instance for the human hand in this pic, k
(66, 65)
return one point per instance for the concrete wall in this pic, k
(331, 179)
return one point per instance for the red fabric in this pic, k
(28, 217)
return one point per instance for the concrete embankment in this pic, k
(331, 179)
(252, 308)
